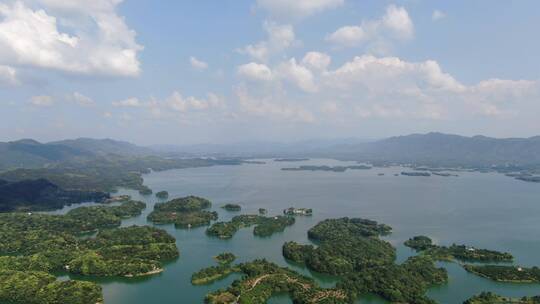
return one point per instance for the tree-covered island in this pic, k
(162, 195)
(36, 247)
(264, 226)
(506, 273)
(263, 279)
(491, 298)
(225, 258)
(351, 249)
(425, 245)
(232, 207)
(185, 212)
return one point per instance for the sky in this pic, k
(209, 71)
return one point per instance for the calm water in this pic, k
(479, 209)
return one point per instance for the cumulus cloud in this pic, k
(395, 24)
(316, 61)
(81, 99)
(82, 37)
(42, 101)
(131, 102)
(297, 74)
(437, 15)
(198, 64)
(298, 8)
(183, 104)
(280, 38)
(255, 71)
(8, 76)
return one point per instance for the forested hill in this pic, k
(28, 153)
(444, 149)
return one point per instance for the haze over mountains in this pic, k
(427, 149)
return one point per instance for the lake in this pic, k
(484, 210)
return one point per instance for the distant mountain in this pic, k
(444, 149)
(28, 153)
(40, 194)
(104, 146)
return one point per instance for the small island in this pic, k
(186, 212)
(263, 279)
(264, 226)
(298, 211)
(328, 168)
(424, 174)
(162, 194)
(291, 159)
(508, 274)
(425, 245)
(211, 274)
(491, 298)
(262, 211)
(117, 199)
(225, 258)
(232, 207)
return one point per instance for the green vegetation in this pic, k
(35, 246)
(263, 279)
(29, 287)
(264, 226)
(225, 258)
(106, 173)
(41, 195)
(425, 245)
(491, 298)
(232, 207)
(351, 249)
(405, 283)
(263, 211)
(298, 211)
(212, 274)
(186, 212)
(500, 273)
(162, 194)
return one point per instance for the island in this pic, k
(351, 249)
(162, 195)
(34, 247)
(491, 298)
(425, 174)
(42, 195)
(232, 207)
(225, 258)
(290, 159)
(263, 279)
(262, 211)
(185, 212)
(117, 199)
(425, 245)
(298, 211)
(503, 273)
(327, 168)
(211, 274)
(264, 226)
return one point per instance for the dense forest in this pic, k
(185, 212)
(264, 226)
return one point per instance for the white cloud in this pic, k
(198, 64)
(298, 8)
(394, 24)
(131, 102)
(183, 104)
(280, 38)
(42, 101)
(96, 41)
(268, 107)
(437, 15)
(8, 76)
(255, 71)
(81, 99)
(298, 75)
(316, 61)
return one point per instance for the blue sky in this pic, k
(181, 72)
